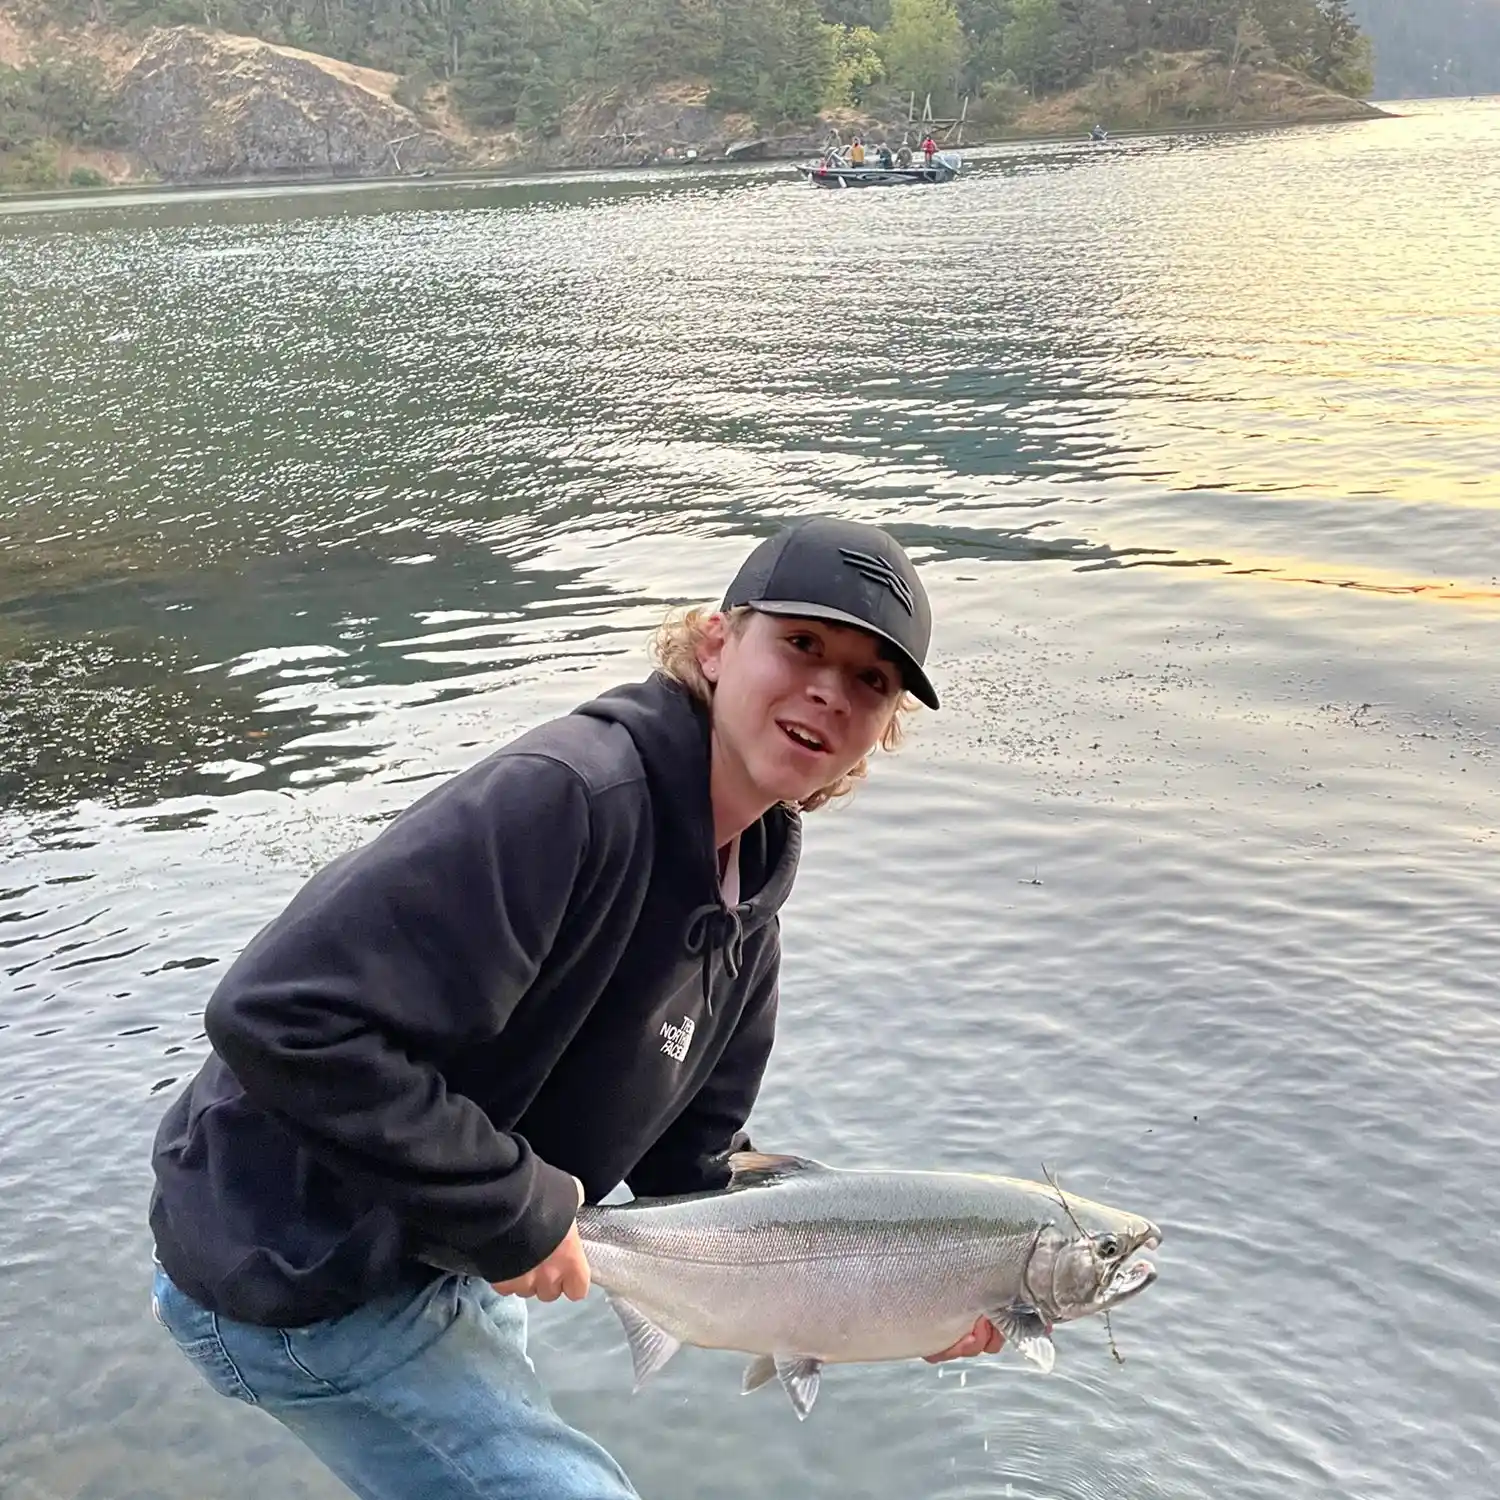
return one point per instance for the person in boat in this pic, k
(857, 153)
(929, 149)
(556, 971)
(903, 153)
(884, 157)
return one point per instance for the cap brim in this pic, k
(916, 680)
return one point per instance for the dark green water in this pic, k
(1189, 891)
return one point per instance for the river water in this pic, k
(1189, 892)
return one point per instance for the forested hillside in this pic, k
(213, 89)
(523, 61)
(1433, 48)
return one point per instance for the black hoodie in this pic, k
(530, 975)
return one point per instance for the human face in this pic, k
(797, 704)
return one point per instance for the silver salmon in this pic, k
(804, 1265)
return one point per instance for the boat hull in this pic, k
(821, 176)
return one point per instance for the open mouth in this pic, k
(1129, 1280)
(803, 737)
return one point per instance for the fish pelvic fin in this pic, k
(800, 1378)
(754, 1168)
(1024, 1327)
(760, 1369)
(650, 1347)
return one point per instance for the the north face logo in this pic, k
(677, 1039)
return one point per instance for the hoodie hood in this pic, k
(671, 732)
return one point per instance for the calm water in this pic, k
(1189, 892)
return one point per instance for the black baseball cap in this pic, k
(848, 574)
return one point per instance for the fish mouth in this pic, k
(1128, 1281)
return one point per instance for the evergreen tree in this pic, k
(1035, 44)
(1340, 53)
(808, 50)
(852, 14)
(495, 64)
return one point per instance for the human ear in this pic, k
(711, 646)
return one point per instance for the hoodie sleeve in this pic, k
(337, 1017)
(691, 1156)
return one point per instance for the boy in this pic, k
(555, 973)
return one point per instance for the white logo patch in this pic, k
(677, 1039)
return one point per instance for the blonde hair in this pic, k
(675, 650)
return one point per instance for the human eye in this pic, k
(802, 640)
(878, 680)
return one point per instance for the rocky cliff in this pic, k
(198, 106)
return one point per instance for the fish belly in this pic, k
(840, 1311)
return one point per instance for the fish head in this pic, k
(1086, 1260)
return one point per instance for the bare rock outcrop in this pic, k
(208, 107)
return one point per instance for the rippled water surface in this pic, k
(1188, 892)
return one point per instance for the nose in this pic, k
(826, 686)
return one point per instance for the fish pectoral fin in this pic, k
(760, 1369)
(800, 1376)
(752, 1168)
(650, 1347)
(1025, 1327)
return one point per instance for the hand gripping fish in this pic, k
(803, 1265)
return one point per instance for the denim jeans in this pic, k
(426, 1394)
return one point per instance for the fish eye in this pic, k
(1107, 1246)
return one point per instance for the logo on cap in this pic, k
(878, 570)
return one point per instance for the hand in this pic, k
(982, 1338)
(564, 1273)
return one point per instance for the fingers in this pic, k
(549, 1282)
(577, 1280)
(565, 1273)
(517, 1286)
(966, 1346)
(982, 1338)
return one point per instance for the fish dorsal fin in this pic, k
(756, 1168)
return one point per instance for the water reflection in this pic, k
(148, 690)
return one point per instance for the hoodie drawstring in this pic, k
(720, 928)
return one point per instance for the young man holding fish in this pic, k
(555, 973)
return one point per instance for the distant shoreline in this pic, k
(515, 172)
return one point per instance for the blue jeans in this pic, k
(426, 1394)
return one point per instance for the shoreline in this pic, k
(512, 172)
